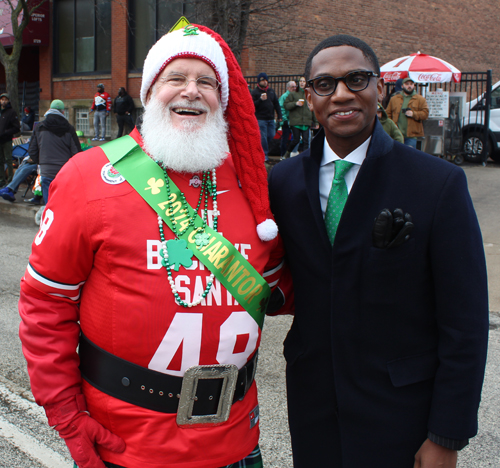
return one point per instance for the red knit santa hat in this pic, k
(236, 101)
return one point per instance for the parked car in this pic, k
(474, 141)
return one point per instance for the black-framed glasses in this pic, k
(356, 81)
(204, 83)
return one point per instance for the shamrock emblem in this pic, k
(191, 31)
(154, 185)
(179, 254)
(201, 239)
(263, 304)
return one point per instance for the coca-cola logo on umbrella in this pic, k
(430, 77)
(422, 68)
(393, 76)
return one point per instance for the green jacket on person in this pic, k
(390, 127)
(299, 115)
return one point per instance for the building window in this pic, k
(149, 21)
(82, 120)
(82, 36)
(85, 122)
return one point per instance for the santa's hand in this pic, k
(82, 433)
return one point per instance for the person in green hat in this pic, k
(389, 126)
(53, 143)
(84, 143)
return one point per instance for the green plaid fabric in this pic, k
(254, 460)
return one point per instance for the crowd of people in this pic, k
(143, 301)
(290, 114)
(54, 138)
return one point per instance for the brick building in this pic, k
(105, 41)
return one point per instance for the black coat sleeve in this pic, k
(33, 148)
(130, 104)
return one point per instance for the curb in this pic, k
(18, 209)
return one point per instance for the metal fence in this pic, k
(471, 122)
(468, 135)
(277, 82)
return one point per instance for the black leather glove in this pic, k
(391, 229)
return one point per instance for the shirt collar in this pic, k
(356, 157)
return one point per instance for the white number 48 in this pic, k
(186, 330)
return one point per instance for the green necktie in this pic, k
(337, 198)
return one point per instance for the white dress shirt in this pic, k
(327, 169)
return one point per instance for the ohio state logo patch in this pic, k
(110, 175)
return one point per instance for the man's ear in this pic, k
(309, 100)
(380, 89)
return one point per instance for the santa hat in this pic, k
(236, 102)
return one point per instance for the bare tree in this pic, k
(242, 23)
(20, 15)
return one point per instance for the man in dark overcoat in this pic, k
(386, 354)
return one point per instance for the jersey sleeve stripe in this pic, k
(274, 270)
(272, 276)
(53, 288)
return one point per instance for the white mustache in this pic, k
(189, 105)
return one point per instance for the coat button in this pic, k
(125, 381)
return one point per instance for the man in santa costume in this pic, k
(158, 267)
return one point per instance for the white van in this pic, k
(473, 129)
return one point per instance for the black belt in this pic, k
(151, 389)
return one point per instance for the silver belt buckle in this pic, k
(228, 373)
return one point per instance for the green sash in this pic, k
(230, 267)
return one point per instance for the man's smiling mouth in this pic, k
(184, 111)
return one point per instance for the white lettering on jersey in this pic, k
(243, 249)
(48, 218)
(153, 254)
(186, 331)
(182, 282)
(238, 323)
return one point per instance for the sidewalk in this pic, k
(20, 207)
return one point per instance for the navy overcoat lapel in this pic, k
(311, 166)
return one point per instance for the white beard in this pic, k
(194, 148)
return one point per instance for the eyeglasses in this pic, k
(356, 81)
(204, 83)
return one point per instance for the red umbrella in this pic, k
(421, 68)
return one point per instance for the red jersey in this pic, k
(102, 101)
(95, 263)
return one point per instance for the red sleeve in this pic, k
(93, 102)
(60, 262)
(49, 333)
(278, 276)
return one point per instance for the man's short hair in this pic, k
(291, 83)
(343, 40)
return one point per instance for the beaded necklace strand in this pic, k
(208, 188)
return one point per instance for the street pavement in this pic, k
(27, 442)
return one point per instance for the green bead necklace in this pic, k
(174, 252)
